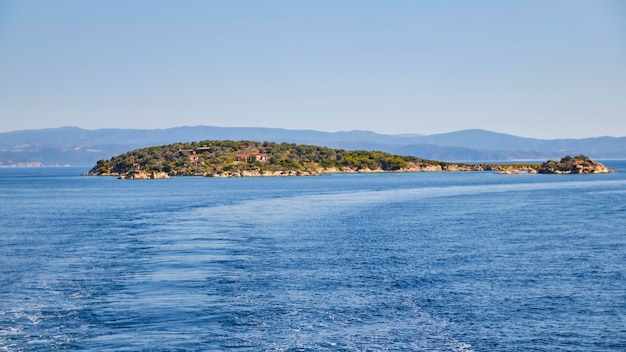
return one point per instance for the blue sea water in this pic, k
(467, 261)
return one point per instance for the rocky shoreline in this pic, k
(139, 175)
(410, 168)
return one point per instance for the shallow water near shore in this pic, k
(455, 261)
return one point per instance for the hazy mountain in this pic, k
(79, 147)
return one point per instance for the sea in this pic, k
(449, 261)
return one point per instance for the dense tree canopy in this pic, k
(212, 156)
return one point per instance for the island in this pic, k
(225, 158)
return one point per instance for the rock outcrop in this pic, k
(573, 165)
(143, 175)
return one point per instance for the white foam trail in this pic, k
(280, 209)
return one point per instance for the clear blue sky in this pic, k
(545, 69)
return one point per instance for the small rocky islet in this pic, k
(214, 158)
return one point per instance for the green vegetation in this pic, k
(212, 157)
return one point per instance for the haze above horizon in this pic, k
(536, 69)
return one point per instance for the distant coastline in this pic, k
(32, 164)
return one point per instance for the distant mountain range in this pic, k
(80, 147)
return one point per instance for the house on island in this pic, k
(201, 150)
(251, 157)
(191, 153)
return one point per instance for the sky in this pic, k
(542, 69)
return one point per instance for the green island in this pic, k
(225, 158)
